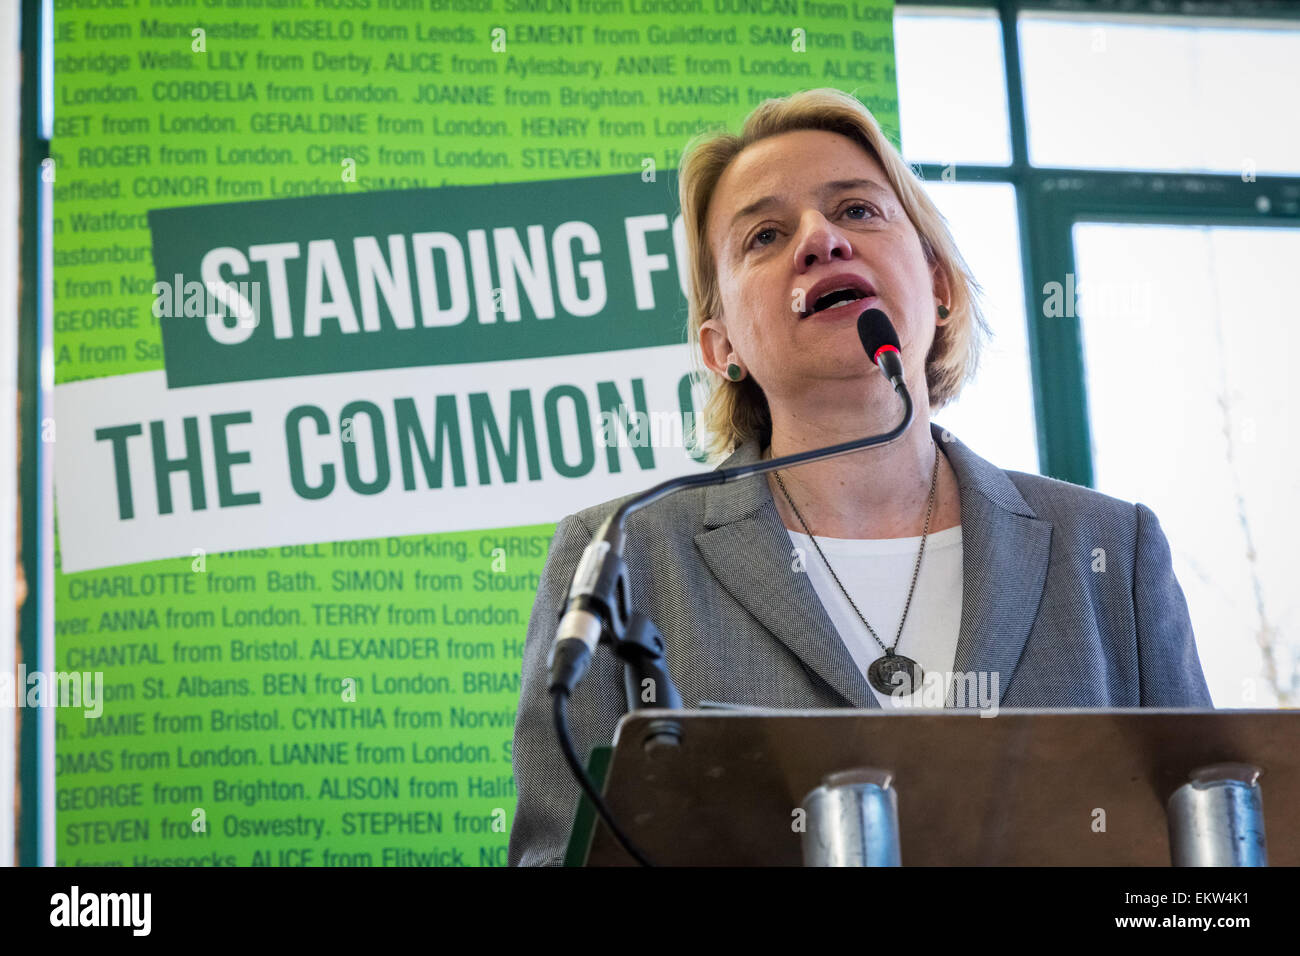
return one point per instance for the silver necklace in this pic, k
(889, 673)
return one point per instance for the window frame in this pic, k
(1050, 200)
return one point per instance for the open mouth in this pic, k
(835, 299)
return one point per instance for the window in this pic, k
(1189, 347)
(1161, 95)
(953, 108)
(994, 414)
(952, 91)
(1143, 172)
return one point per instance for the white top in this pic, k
(877, 573)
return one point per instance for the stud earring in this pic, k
(943, 311)
(734, 372)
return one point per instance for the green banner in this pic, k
(425, 277)
(288, 686)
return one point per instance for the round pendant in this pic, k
(895, 675)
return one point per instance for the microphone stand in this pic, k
(599, 609)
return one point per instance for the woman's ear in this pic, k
(942, 293)
(715, 347)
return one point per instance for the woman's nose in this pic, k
(820, 241)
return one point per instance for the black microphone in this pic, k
(881, 342)
(599, 604)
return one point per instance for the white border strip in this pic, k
(10, 107)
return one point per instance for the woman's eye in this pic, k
(868, 212)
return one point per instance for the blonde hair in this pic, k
(735, 412)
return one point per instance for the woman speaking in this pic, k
(815, 587)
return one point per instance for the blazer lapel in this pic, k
(1005, 550)
(750, 553)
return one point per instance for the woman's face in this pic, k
(794, 217)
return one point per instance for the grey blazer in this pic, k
(712, 568)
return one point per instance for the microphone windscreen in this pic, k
(875, 330)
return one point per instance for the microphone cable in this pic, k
(559, 699)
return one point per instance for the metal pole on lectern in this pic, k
(1217, 818)
(852, 820)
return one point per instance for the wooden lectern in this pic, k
(1027, 787)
